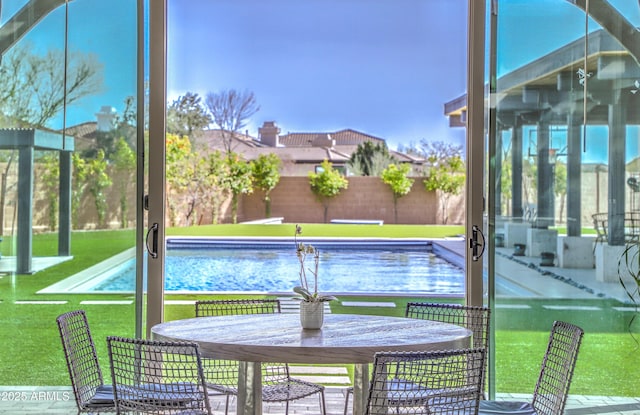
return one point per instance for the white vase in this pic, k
(311, 315)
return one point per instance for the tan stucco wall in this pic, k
(365, 198)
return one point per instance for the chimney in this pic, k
(323, 140)
(268, 134)
(106, 118)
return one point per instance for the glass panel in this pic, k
(565, 146)
(67, 158)
(325, 77)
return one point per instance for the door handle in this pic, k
(153, 250)
(474, 244)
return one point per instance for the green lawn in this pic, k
(31, 351)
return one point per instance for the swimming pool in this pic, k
(272, 266)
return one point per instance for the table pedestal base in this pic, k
(360, 388)
(249, 388)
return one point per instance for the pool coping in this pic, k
(73, 283)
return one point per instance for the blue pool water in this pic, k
(264, 269)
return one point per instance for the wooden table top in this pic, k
(344, 338)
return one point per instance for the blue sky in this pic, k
(323, 65)
(104, 28)
(530, 29)
(317, 65)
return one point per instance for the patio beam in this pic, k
(614, 23)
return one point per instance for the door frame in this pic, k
(157, 189)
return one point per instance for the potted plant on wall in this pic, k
(312, 302)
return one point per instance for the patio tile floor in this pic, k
(59, 400)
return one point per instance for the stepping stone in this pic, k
(289, 305)
(335, 375)
(106, 302)
(369, 304)
(180, 302)
(334, 380)
(323, 370)
(40, 302)
(571, 307)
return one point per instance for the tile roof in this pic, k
(214, 140)
(87, 129)
(341, 137)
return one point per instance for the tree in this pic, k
(231, 110)
(124, 162)
(396, 177)
(34, 89)
(560, 184)
(370, 159)
(122, 126)
(98, 180)
(50, 180)
(187, 116)
(32, 93)
(217, 171)
(445, 170)
(327, 184)
(178, 151)
(447, 178)
(435, 151)
(238, 181)
(78, 185)
(505, 180)
(266, 175)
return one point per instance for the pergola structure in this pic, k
(24, 20)
(549, 92)
(26, 142)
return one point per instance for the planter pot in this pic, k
(311, 315)
(518, 249)
(547, 259)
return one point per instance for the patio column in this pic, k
(25, 211)
(64, 214)
(574, 177)
(616, 177)
(546, 214)
(498, 169)
(516, 170)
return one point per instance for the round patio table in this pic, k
(344, 338)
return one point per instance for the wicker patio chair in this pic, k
(435, 383)
(552, 388)
(91, 394)
(154, 377)
(473, 318)
(277, 384)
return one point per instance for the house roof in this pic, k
(298, 147)
(341, 137)
(346, 142)
(87, 129)
(214, 140)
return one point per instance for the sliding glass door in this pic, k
(563, 193)
(70, 146)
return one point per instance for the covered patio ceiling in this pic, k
(551, 86)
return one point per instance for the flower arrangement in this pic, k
(303, 252)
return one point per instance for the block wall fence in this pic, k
(366, 198)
